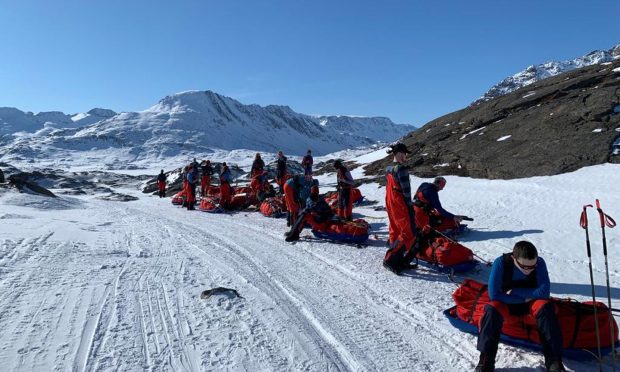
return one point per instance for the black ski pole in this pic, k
(584, 224)
(609, 222)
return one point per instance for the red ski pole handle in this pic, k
(606, 220)
(583, 220)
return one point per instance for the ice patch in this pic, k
(529, 94)
(441, 165)
(472, 132)
(617, 69)
(504, 138)
(597, 130)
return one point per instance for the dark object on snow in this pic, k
(114, 196)
(207, 293)
(24, 185)
(1, 176)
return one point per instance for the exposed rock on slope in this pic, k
(554, 126)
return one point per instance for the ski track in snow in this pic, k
(124, 294)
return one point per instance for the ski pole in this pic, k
(583, 221)
(609, 222)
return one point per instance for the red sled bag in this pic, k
(355, 231)
(576, 318)
(210, 204)
(246, 198)
(445, 252)
(273, 207)
(213, 191)
(331, 198)
(179, 198)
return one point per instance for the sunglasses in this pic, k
(525, 267)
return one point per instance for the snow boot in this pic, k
(292, 236)
(486, 363)
(395, 270)
(556, 366)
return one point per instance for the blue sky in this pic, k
(411, 61)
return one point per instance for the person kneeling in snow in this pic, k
(429, 214)
(296, 191)
(518, 285)
(316, 211)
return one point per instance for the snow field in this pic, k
(92, 285)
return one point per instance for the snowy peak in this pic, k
(197, 122)
(378, 128)
(539, 72)
(13, 120)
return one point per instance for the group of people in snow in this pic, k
(518, 283)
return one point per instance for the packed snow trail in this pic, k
(131, 300)
(91, 285)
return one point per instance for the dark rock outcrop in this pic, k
(23, 184)
(554, 126)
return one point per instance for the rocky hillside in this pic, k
(553, 126)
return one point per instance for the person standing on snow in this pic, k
(307, 162)
(281, 171)
(344, 186)
(402, 231)
(225, 188)
(161, 184)
(192, 181)
(258, 166)
(519, 285)
(205, 181)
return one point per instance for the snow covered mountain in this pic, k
(539, 72)
(198, 122)
(13, 120)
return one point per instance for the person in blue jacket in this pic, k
(192, 180)
(519, 285)
(429, 213)
(296, 192)
(316, 211)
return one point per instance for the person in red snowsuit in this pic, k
(296, 191)
(205, 182)
(402, 230)
(225, 188)
(192, 180)
(344, 186)
(281, 171)
(161, 184)
(429, 213)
